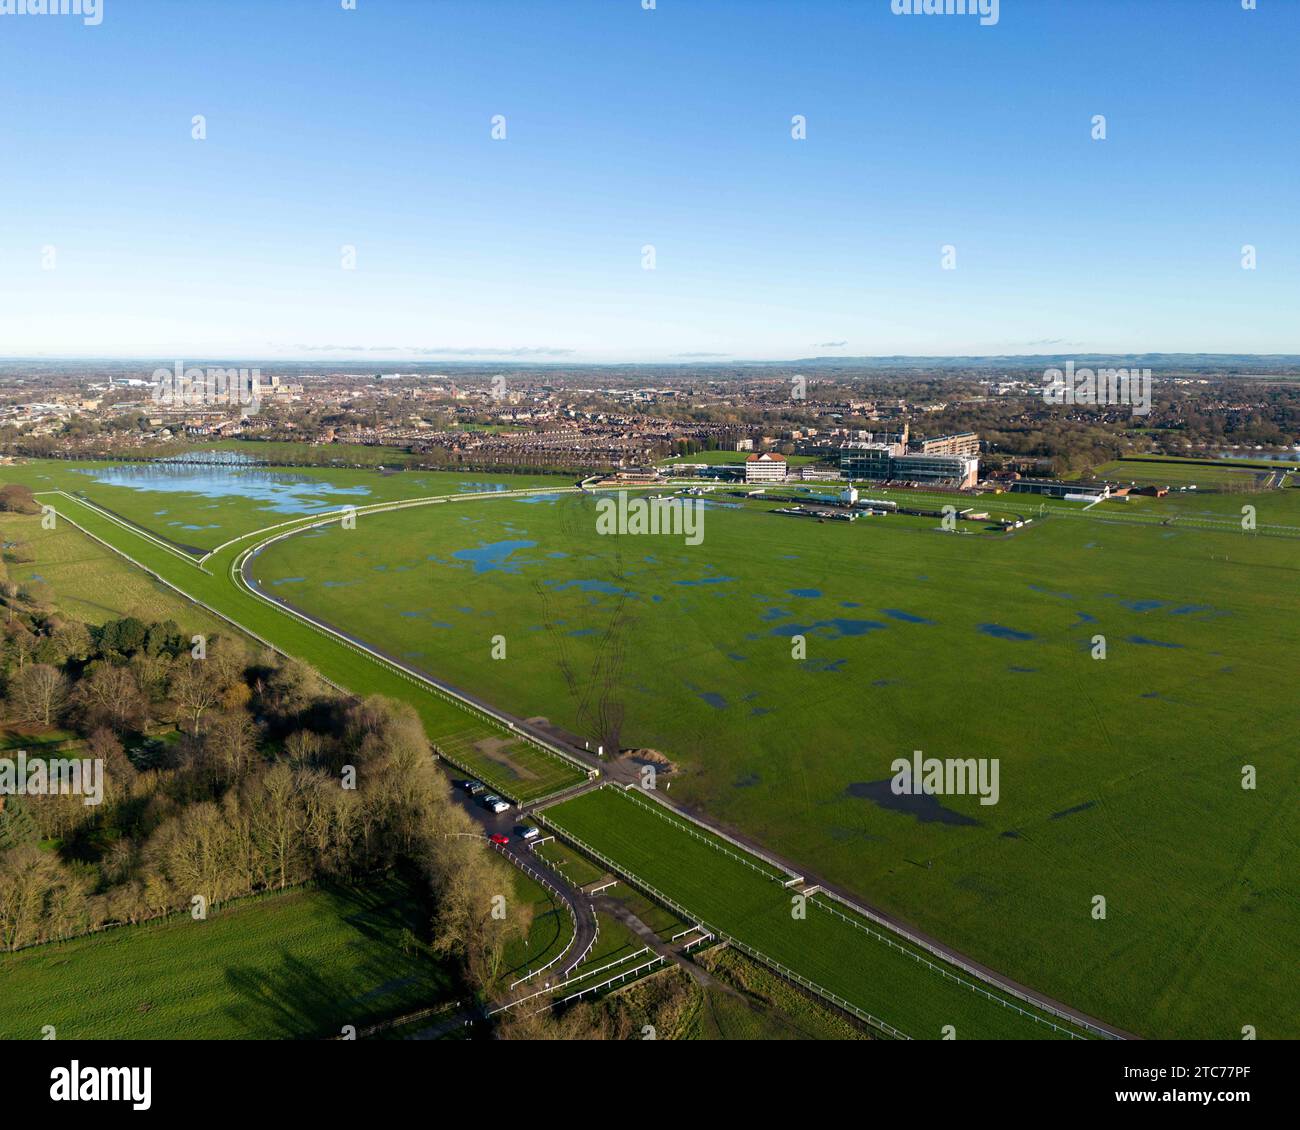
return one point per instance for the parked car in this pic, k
(528, 832)
(499, 805)
(473, 787)
(498, 838)
(488, 800)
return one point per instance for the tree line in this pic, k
(226, 773)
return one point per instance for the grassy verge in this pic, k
(881, 979)
(300, 964)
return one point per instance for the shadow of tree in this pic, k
(386, 972)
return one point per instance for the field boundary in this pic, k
(772, 963)
(667, 813)
(122, 523)
(664, 812)
(226, 618)
(189, 597)
(442, 690)
(658, 959)
(547, 885)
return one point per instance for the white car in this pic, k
(499, 805)
(528, 832)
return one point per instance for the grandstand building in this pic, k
(959, 443)
(878, 462)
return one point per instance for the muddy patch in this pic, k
(661, 761)
(496, 750)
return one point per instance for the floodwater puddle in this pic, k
(829, 629)
(282, 492)
(997, 631)
(906, 617)
(494, 556)
(1144, 642)
(924, 806)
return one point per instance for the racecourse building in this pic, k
(768, 467)
(878, 462)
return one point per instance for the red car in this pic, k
(498, 838)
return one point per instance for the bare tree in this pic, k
(108, 695)
(230, 745)
(193, 689)
(38, 694)
(37, 899)
(276, 816)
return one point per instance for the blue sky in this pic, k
(671, 128)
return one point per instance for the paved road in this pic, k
(523, 857)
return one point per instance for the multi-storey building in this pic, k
(767, 467)
(959, 443)
(878, 461)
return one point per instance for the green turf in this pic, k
(746, 1001)
(1119, 777)
(576, 868)
(1175, 473)
(197, 510)
(755, 910)
(300, 964)
(615, 942)
(91, 583)
(476, 743)
(664, 922)
(1140, 752)
(549, 933)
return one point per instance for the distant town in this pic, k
(951, 425)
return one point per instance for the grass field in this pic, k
(613, 952)
(664, 922)
(577, 869)
(201, 506)
(749, 1002)
(549, 933)
(91, 583)
(754, 909)
(1118, 777)
(959, 646)
(509, 765)
(738, 1000)
(1175, 473)
(300, 964)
